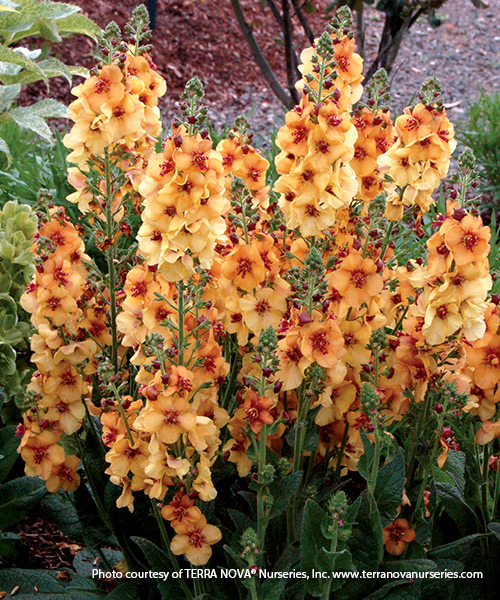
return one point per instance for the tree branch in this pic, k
(291, 60)
(260, 59)
(303, 21)
(276, 12)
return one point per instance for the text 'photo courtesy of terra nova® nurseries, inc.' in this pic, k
(249, 323)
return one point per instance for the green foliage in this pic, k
(481, 132)
(35, 165)
(18, 224)
(8, 451)
(45, 585)
(18, 497)
(60, 509)
(389, 489)
(20, 66)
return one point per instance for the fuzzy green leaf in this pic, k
(283, 491)
(61, 510)
(18, 497)
(456, 506)
(8, 450)
(312, 539)
(159, 561)
(389, 489)
(37, 584)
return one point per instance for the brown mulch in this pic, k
(196, 37)
(193, 37)
(47, 547)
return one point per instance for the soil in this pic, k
(194, 37)
(45, 546)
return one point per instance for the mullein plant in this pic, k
(282, 331)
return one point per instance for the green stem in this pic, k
(376, 458)
(416, 434)
(166, 545)
(122, 413)
(262, 520)
(92, 427)
(387, 241)
(127, 553)
(338, 466)
(300, 431)
(496, 493)
(253, 589)
(111, 262)
(180, 312)
(430, 463)
(484, 487)
(100, 507)
(333, 548)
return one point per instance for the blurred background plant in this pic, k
(18, 224)
(481, 132)
(48, 22)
